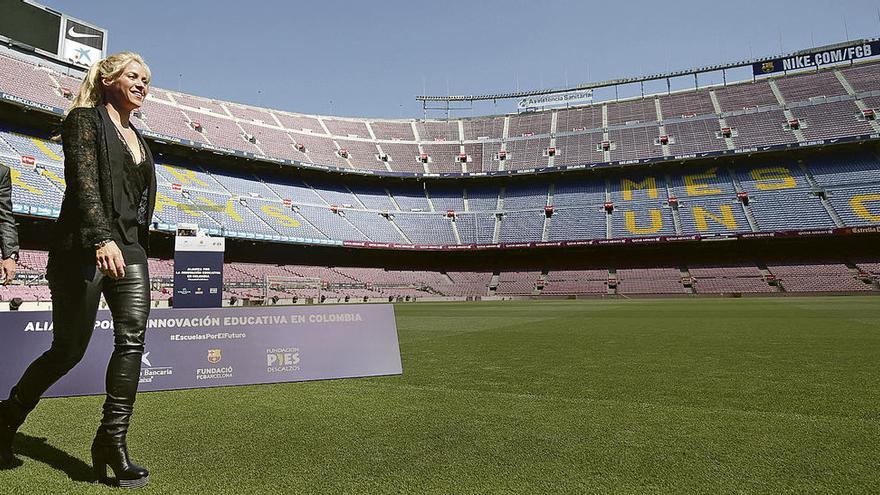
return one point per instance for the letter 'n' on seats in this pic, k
(773, 178)
(701, 214)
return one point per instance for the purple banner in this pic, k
(197, 348)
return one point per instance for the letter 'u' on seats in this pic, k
(15, 177)
(858, 206)
(696, 188)
(185, 176)
(773, 178)
(647, 183)
(275, 212)
(656, 222)
(162, 201)
(700, 216)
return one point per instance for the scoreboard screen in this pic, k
(30, 24)
(51, 33)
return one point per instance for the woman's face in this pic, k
(128, 91)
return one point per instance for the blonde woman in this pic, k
(99, 247)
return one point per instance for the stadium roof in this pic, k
(651, 77)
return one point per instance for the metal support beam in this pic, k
(652, 77)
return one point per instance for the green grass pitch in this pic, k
(769, 395)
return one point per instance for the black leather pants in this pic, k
(74, 307)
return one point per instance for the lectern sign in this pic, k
(198, 272)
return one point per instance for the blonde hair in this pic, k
(91, 91)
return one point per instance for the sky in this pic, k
(371, 59)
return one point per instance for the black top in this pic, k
(96, 192)
(133, 211)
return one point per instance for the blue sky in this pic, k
(370, 59)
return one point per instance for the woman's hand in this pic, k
(110, 261)
(7, 270)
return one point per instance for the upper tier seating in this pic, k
(783, 195)
(632, 127)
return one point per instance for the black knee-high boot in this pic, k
(74, 306)
(12, 414)
(109, 447)
(128, 299)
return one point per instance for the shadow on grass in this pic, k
(37, 449)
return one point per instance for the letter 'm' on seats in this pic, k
(628, 186)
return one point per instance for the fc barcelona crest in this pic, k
(767, 67)
(214, 356)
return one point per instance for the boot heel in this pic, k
(99, 470)
(128, 474)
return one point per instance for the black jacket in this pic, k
(93, 161)
(8, 231)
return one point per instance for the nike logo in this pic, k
(74, 34)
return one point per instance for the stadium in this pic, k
(583, 292)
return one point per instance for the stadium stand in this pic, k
(518, 283)
(826, 103)
(660, 280)
(823, 190)
(730, 278)
(782, 196)
(246, 281)
(816, 277)
(576, 282)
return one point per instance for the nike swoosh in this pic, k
(74, 34)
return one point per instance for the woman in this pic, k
(100, 246)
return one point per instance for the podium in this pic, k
(198, 268)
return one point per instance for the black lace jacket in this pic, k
(94, 173)
(8, 231)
